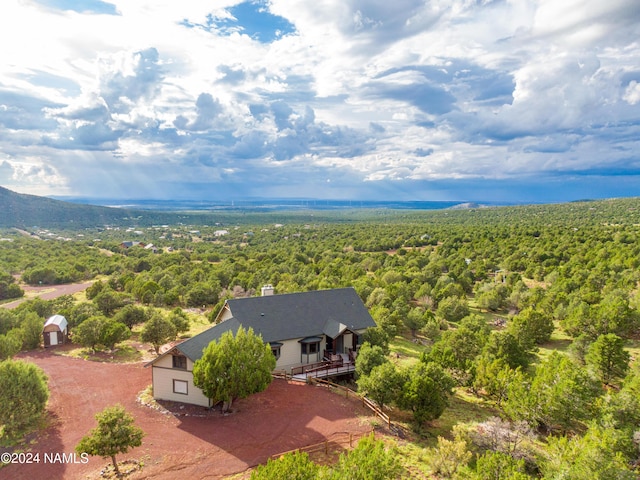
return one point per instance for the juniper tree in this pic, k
(114, 434)
(234, 367)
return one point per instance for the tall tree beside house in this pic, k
(234, 367)
(369, 357)
(114, 434)
(158, 331)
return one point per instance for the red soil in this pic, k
(283, 417)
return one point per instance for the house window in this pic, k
(179, 362)
(181, 387)
(310, 348)
(275, 349)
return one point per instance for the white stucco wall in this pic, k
(290, 354)
(163, 375)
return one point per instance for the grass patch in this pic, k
(146, 396)
(409, 350)
(464, 408)
(554, 345)
(633, 346)
(559, 342)
(197, 324)
(493, 319)
(412, 456)
(124, 353)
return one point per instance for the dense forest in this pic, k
(531, 311)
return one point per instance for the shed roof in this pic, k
(58, 320)
(288, 316)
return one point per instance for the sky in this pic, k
(470, 100)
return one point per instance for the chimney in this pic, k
(267, 290)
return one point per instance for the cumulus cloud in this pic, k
(334, 97)
(632, 93)
(128, 78)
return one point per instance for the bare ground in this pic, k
(196, 444)
(47, 292)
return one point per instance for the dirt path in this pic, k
(48, 292)
(285, 416)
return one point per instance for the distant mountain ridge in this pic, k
(25, 211)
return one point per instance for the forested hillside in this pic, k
(532, 312)
(25, 211)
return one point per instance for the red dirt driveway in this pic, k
(284, 417)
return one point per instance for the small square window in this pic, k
(180, 362)
(181, 387)
(276, 352)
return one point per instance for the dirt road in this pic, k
(47, 292)
(283, 417)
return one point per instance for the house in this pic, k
(129, 244)
(55, 331)
(302, 329)
(151, 247)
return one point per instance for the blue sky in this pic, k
(495, 100)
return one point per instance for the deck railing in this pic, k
(325, 366)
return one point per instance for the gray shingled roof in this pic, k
(287, 316)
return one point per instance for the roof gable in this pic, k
(288, 316)
(58, 320)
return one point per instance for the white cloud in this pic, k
(405, 91)
(632, 93)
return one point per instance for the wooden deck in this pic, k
(324, 369)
